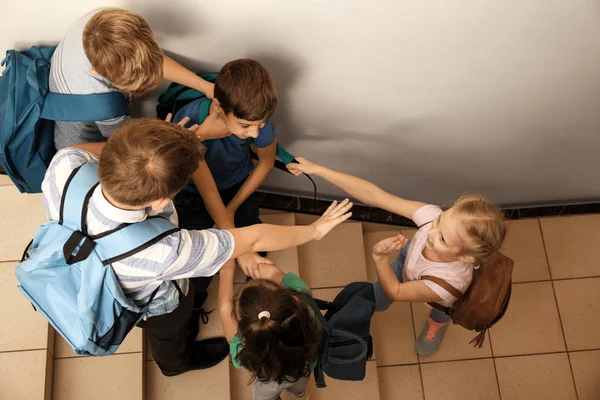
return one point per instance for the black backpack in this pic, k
(347, 342)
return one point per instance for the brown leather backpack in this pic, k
(486, 299)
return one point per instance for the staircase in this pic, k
(36, 363)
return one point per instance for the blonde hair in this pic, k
(148, 159)
(482, 224)
(122, 48)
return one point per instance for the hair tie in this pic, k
(264, 314)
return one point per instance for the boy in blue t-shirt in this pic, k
(238, 117)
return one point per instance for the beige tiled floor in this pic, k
(547, 346)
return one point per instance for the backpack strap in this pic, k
(443, 283)
(88, 107)
(133, 238)
(317, 305)
(114, 245)
(78, 190)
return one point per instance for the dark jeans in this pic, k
(193, 213)
(171, 335)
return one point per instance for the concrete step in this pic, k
(26, 375)
(117, 377)
(208, 384)
(336, 260)
(26, 343)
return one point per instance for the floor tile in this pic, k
(22, 328)
(336, 260)
(524, 245)
(370, 240)
(400, 382)
(393, 336)
(119, 377)
(23, 375)
(5, 180)
(214, 328)
(286, 260)
(347, 390)
(539, 377)
(531, 324)
(23, 213)
(239, 381)
(579, 305)
(133, 343)
(460, 380)
(586, 369)
(208, 384)
(456, 344)
(572, 245)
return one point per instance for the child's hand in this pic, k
(335, 215)
(212, 128)
(389, 245)
(303, 166)
(249, 263)
(193, 128)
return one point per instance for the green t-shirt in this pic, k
(289, 281)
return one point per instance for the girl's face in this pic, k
(444, 238)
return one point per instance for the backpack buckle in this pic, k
(73, 245)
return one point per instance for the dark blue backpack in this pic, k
(28, 111)
(347, 341)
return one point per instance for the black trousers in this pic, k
(171, 335)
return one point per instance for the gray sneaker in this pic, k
(431, 338)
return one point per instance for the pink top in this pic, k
(459, 273)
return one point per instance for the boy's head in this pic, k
(147, 161)
(122, 48)
(289, 335)
(246, 95)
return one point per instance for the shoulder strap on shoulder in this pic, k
(77, 192)
(133, 238)
(443, 283)
(89, 107)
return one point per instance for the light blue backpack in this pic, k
(68, 276)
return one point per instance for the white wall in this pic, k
(426, 98)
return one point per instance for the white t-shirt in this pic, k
(459, 273)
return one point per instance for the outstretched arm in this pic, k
(263, 237)
(361, 190)
(175, 72)
(226, 300)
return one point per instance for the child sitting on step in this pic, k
(448, 245)
(272, 333)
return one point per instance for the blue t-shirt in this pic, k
(228, 158)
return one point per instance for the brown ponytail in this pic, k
(279, 348)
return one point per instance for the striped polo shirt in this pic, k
(176, 257)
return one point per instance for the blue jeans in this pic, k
(382, 302)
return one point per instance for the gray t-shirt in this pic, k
(70, 74)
